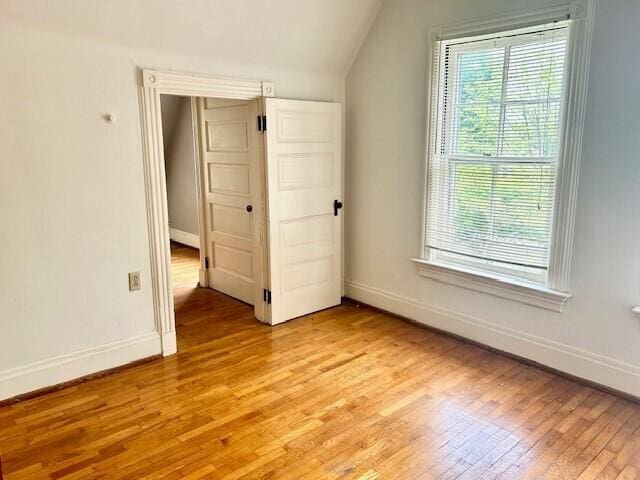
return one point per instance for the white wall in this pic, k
(597, 337)
(179, 160)
(169, 105)
(72, 202)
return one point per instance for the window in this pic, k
(499, 105)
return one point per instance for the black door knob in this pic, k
(249, 208)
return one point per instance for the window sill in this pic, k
(519, 291)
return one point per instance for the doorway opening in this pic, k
(213, 180)
(180, 164)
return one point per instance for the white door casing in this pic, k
(304, 180)
(231, 157)
(153, 83)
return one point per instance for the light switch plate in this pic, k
(134, 281)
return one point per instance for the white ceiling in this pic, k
(319, 36)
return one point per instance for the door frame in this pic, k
(203, 276)
(153, 83)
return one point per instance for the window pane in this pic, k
(479, 91)
(531, 129)
(536, 70)
(471, 202)
(523, 204)
(476, 129)
(480, 76)
(500, 212)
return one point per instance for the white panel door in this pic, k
(304, 185)
(231, 172)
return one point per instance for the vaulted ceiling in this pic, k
(319, 36)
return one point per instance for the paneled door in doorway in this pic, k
(230, 155)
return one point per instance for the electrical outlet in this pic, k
(134, 281)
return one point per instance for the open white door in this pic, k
(304, 191)
(231, 173)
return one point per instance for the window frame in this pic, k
(554, 292)
(456, 48)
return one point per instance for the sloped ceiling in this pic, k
(316, 36)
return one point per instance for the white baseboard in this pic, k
(597, 368)
(184, 238)
(63, 368)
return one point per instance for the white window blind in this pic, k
(494, 150)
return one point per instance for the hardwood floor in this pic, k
(346, 393)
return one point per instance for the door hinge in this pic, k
(206, 263)
(337, 205)
(266, 295)
(262, 123)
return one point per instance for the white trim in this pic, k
(154, 83)
(200, 193)
(522, 18)
(185, 238)
(71, 366)
(579, 53)
(197, 85)
(169, 343)
(493, 284)
(581, 14)
(157, 212)
(590, 366)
